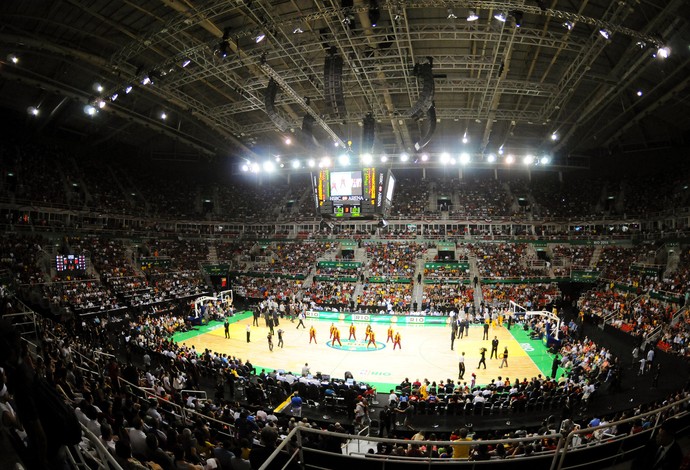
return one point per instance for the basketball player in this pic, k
(372, 339)
(312, 334)
(396, 341)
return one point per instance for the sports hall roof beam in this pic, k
(460, 85)
(654, 103)
(605, 95)
(62, 89)
(554, 106)
(190, 18)
(464, 113)
(400, 131)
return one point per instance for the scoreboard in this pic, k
(70, 263)
(353, 193)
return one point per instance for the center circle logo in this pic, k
(356, 346)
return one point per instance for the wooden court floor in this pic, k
(425, 352)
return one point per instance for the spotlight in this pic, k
(425, 157)
(500, 17)
(500, 150)
(344, 159)
(554, 136)
(445, 158)
(544, 160)
(605, 33)
(245, 167)
(33, 110)
(269, 166)
(326, 161)
(374, 13)
(451, 14)
(663, 52)
(114, 96)
(464, 138)
(89, 110)
(464, 158)
(13, 58)
(311, 163)
(128, 89)
(569, 25)
(641, 44)
(186, 62)
(491, 158)
(295, 164)
(259, 37)
(510, 159)
(639, 93)
(404, 157)
(297, 30)
(384, 158)
(98, 87)
(288, 141)
(517, 15)
(164, 115)
(366, 158)
(100, 104)
(528, 160)
(472, 16)
(145, 81)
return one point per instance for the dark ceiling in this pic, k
(545, 70)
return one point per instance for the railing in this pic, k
(605, 449)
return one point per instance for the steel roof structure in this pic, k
(587, 73)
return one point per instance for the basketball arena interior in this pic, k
(318, 234)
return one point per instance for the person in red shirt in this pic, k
(372, 339)
(336, 336)
(396, 341)
(352, 332)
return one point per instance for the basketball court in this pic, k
(425, 351)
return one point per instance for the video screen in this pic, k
(390, 188)
(346, 183)
(70, 263)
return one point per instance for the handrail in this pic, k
(103, 454)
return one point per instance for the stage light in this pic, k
(255, 167)
(404, 157)
(465, 158)
(33, 110)
(100, 104)
(145, 81)
(663, 52)
(311, 163)
(268, 166)
(517, 14)
(641, 44)
(326, 161)
(639, 93)
(491, 158)
(451, 14)
(452, 161)
(245, 167)
(500, 150)
(186, 62)
(605, 33)
(344, 159)
(425, 157)
(114, 96)
(89, 110)
(287, 141)
(569, 25)
(472, 16)
(13, 58)
(545, 160)
(464, 138)
(510, 159)
(297, 30)
(554, 136)
(295, 164)
(128, 89)
(259, 37)
(164, 115)
(500, 17)
(445, 158)
(528, 160)
(366, 158)
(384, 158)
(98, 87)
